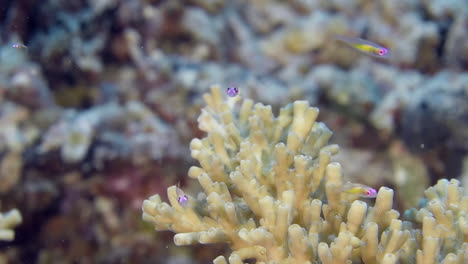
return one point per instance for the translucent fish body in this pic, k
(365, 46)
(19, 46)
(360, 190)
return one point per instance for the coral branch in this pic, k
(7, 222)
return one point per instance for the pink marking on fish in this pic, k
(371, 193)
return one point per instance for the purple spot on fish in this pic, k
(183, 200)
(232, 91)
(371, 193)
(382, 52)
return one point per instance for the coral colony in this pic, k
(90, 105)
(272, 193)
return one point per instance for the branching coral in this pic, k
(7, 222)
(272, 193)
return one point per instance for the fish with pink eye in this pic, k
(232, 91)
(365, 46)
(182, 198)
(360, 190)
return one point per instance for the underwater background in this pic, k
(99, 101)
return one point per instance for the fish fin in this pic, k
(349, 185)
(179, 192)
(356, 40)
(344, 39)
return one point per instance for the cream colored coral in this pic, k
(7, 222)
(272, 193)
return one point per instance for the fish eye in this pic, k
(382, 52)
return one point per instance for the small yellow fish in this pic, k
(365, 46)
(360, 190)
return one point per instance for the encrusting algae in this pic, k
(272, 193)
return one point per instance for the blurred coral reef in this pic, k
(98, 108)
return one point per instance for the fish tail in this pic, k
(345, 39)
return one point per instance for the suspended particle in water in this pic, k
(232, 91)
